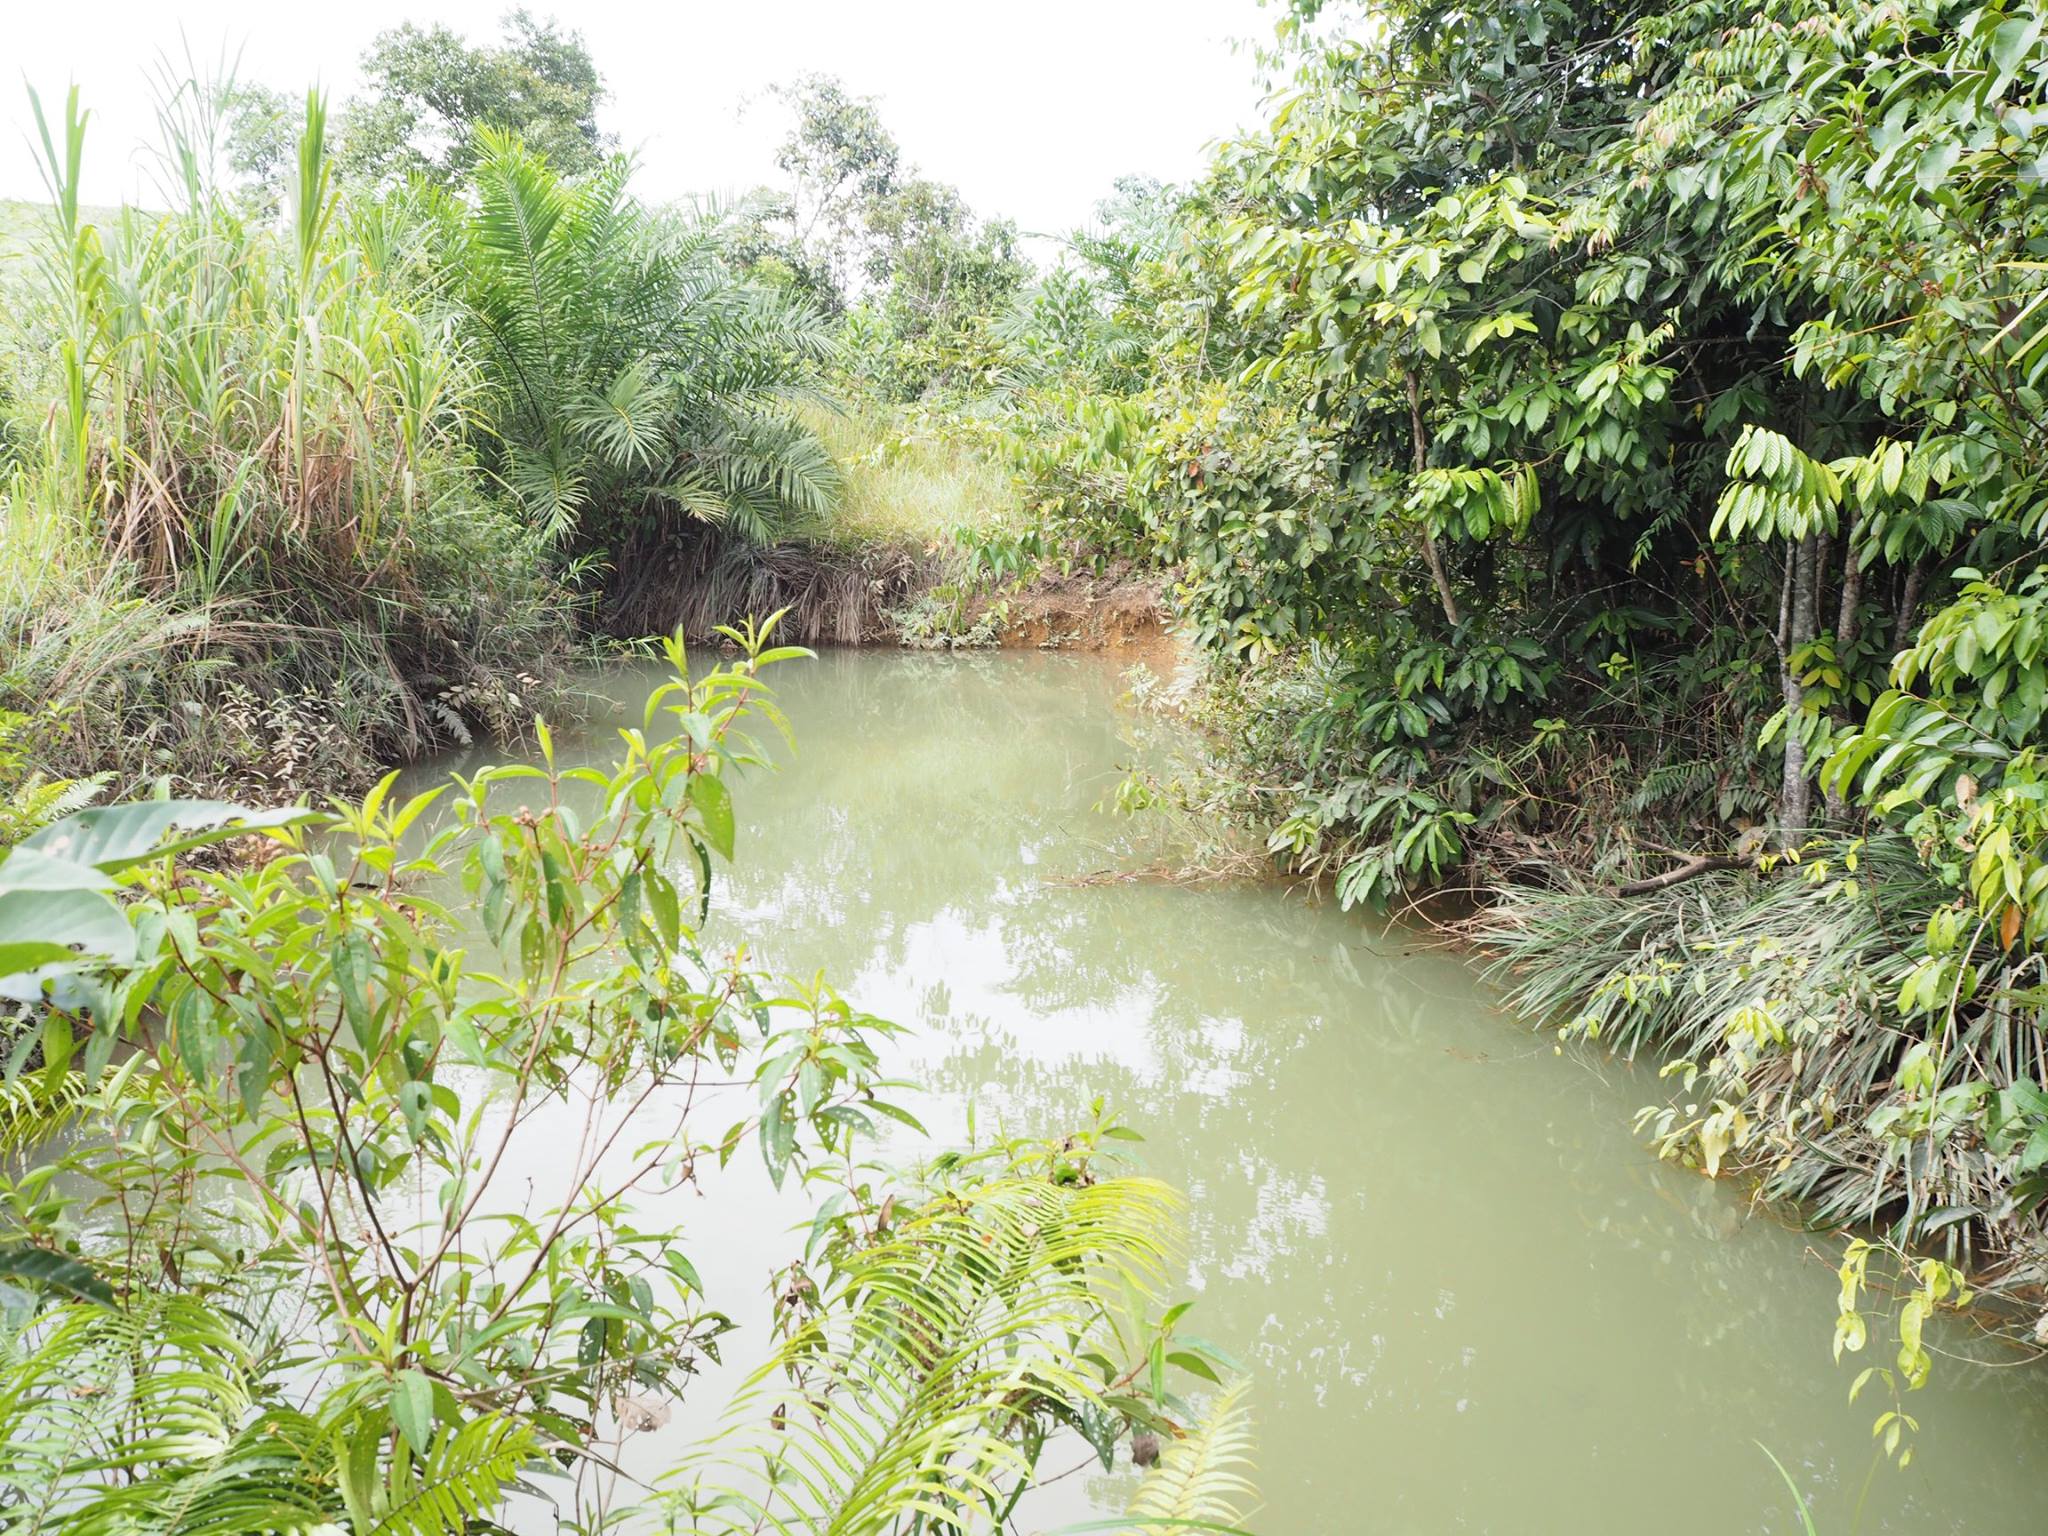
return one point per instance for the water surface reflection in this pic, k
(1472, 1301)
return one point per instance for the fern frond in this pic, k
(155, 1419)
(123, 1420)
(33, 1109)
(1200, 1478)
(269, 1476)
(1682, 781)
(462, 1478)
(913, 1390)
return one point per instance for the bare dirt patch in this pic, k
(1117, 610)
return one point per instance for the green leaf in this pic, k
(2010, 43)
(412, 1409)
(352, 979)
(114, 837)
(1935, 165)
(55, 1271)
(778, 1137)
(18, 958)
(1194, 1365)
(47, 927)
(680, 1266)
(714, 806)
(26, 869)
(460, 1031)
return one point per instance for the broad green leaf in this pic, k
(714, 806)
(47, 927)
(778, 1137)
(55, 1271)
(412, 1409)
(352, 980)
(114, 837)
(1935, 165)
(26, 869)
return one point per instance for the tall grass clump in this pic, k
(88, 657)
(250, 439)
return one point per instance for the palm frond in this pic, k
(694, 493)
(776, 460)
(628, 421)
(627, 351)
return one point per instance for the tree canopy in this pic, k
(428, 92)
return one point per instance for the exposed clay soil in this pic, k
(1117, 610)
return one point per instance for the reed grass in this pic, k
(242, 468)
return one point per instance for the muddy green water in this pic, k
(1471, 1300)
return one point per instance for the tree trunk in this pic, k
(1798, 622)
(1909, 604)
(1845, 637)
(1431, 555)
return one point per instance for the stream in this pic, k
(1470, 1298)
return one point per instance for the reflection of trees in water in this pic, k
(1400, 1289)
(917, 791)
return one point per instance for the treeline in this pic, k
(350, 449)
(1597, 448)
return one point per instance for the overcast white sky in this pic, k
(1031, 109)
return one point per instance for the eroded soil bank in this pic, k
(1114, 611)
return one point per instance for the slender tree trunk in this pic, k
(1431, 555)
(1845, 637)
(1909, 603)
(1798, 622)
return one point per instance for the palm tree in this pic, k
(630, 371)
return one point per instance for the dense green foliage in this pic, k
(916, 274)
(234, 438)
(1592, 448)
(629, 369)
(292, 1278)
(324, 466)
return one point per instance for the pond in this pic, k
(1470, 1299)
